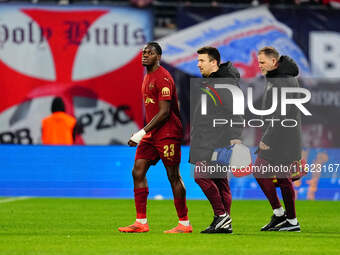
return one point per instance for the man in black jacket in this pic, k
(280, 145)
(205, 139)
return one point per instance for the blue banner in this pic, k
(311, 36)
(105, 171)
(238, 35)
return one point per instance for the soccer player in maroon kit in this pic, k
(159, 139)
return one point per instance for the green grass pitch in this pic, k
(40, 226)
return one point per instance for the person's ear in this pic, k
(214, 62)
(274, 61)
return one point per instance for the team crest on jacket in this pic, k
(165, 91)
(151, 86)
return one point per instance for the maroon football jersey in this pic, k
(158, 86)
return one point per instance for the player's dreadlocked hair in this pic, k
(156, 46)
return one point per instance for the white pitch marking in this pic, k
(12, 199)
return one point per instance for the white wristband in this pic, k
(138, 136)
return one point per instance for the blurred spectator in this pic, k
(59, 128)
(332, 3)
(308, 2)
(141, 3)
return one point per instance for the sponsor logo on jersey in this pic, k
(165, 91)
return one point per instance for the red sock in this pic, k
(141, 196)
(181, 208)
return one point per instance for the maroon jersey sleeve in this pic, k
(165, 88)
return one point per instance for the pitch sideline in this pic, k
(13, 199)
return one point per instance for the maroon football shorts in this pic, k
(169, 150)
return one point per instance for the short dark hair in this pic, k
(269, 52)
(58, 105)
(156, 46)
(212, 52)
